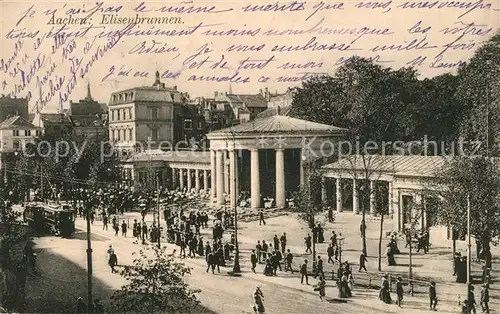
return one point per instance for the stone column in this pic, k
(226, 174)
(173, 179)
(205, 180)
(189, 180)
(391, 199)
(213, 185)
(418, 211)
(338, 190)
(355, 198)
(196, 180)
(233, 172)
(254, 178)
(220, 177)
(280, 178)
(302, 167)
(372, 198)
(324, 192)
(181, 179)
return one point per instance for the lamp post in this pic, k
(88, 201)
(468, 253)
(340, 241)
(234, 197)
(158, 209)
(363, 216)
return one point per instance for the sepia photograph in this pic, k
(257, 156)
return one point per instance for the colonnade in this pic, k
(355, 195)
(190, 178)
(224, 166)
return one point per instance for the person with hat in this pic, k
(471, 300)
(485, 297)
(98, 307)
(456, 263)
(399, 292)
(433, 296)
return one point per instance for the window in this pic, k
(15, 133)
(112, 115)
(130, 136)
(118, 115)
(38, 133)
(27, 132)
(188, 124)
(16, 145)
(130, 113)
(124, 114)
(154, 113)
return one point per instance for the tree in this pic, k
(156, 285)
(64, 163)
(479, 179)
(13, 238)
(479, 91)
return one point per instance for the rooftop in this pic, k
(400, 165)
(202, 157)
(17, 122)
(279, 124)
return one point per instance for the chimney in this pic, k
(175, 87)
(157, 79)
(266, 96)
(278, 111)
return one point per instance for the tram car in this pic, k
(50, 218)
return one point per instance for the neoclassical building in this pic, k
(267, 157)
(406, 177)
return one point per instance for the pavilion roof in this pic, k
(279, 124)
(398, 165)
(189, 156)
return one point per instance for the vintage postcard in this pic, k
(249, 157)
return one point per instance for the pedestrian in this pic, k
(399, 292)
(289, 259)
(253, 260)
(456, 263)
(330, 214)
(283, 243)
(319, 267)
(307, 242)
(320, 287)
(433, 296)
(144, 232)
(105, 222)
(109, 251)
(471, 299)
(362, 228)
(264, 249)
(210, 262)
(116, 228)
(333, 238)
(485, 297)
(261, 218)
(276, 242)
(330, 252)
(258, 249)
(124, 229)
(362, 261)
(303, 273)
(258, 306)
(182, 245)
(113, 261)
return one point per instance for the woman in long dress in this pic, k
(259, 301)
(321, 287)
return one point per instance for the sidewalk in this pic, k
(247, 240)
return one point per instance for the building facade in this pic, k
(15, 133)
(10, 107)
(141, 118)
(89, 117)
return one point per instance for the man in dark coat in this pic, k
(289, 259)
(303, 273)
(433, 296)
(485, 298)
(399, 292)
(472, 301)
(319, 267)
(329, 252)
(307, 241)
(362, 261)
(283, 243)
(253, 260)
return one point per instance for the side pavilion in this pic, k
(267, 157)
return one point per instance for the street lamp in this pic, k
(234, 198)
(340, 241)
